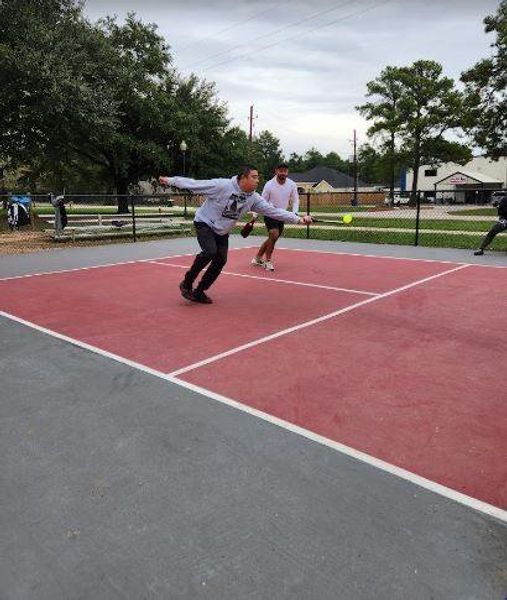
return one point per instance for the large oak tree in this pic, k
(486, 90)
(411, 109)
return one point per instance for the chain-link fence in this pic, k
(40, 221)
(426, 220)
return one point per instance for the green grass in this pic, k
(113, 210)
(477, 212)
(436, 224)
(436, 240)
(79, 210)
(337, 208)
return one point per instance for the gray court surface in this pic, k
(117, 484)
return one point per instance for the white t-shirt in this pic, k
(281, 195)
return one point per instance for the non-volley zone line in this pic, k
(287, 281)
(404, 474)
(312, 322)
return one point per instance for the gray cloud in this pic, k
(298, 61)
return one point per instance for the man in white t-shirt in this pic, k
(279, 191)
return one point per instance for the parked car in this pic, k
(398, 200)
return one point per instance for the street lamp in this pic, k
(183, 148)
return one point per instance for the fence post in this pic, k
(133, 206)
(417, 217)
(307, 212)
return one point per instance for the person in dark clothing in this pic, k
(499, 225)
(61, 219)
(226, 201)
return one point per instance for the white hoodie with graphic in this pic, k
(225, 203)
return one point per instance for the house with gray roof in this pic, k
(324, 179)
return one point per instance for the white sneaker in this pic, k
(258, 261)
(268, 265)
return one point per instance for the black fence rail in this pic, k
(93, 217)
(420, 220)
(424, 219)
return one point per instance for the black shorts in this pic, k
(274, 224)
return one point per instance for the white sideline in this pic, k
(116, 264)
(432, 486)
(430, 260)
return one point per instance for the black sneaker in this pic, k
(479, 252)
(185, 290)
(200, 296)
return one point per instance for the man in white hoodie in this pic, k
(226, 201)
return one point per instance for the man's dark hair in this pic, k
(282, 166)
(245, 171)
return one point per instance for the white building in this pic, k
(472, 182)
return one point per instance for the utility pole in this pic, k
(354, 198)
(251, 118)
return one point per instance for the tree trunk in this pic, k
(122, 199)
(416, 165)
(415, 178)
(391, 182)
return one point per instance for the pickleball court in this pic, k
(391, 363)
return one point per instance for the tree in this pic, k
(234, 151)
(313, 158)
(380, 167)
(296, 162)
(334, 161)
(269, 153)
(46, 95)
(426, 106)
(100, 105)
(486, 95)
(65, 90)
(138, 61)
(388, 89)
(98, 98)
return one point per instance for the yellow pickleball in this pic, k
(347, 219)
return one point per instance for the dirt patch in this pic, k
(25, 241)
(20, 242)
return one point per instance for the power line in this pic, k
(319, 27)
(270, 33)
(233, 26)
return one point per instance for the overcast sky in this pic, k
(304, 65)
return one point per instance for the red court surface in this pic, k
(136, 311)
(414, 378)
(367, 273)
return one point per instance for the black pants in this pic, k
(214, 253)
(497, 228)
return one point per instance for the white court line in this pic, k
(116, 264)
(413, 478)
(336, 313)
(430, 260)
(313, 285)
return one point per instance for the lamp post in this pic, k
(183, 148)
(354, 198)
